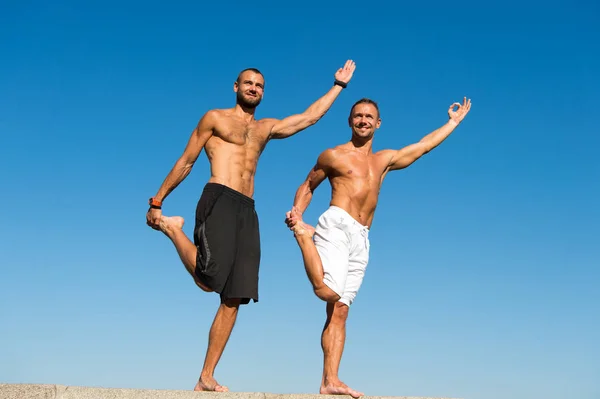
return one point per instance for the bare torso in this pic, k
(355, 180)
(234, 149)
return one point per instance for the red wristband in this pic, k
(154, 203)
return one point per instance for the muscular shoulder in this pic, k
(217, 114)
(339, 152)
(212, 116)
(218, 118)
(385, 154)
(383, 159)
(267, 121)
(266, 124)
(326, 157)
(270, 122)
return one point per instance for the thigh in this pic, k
(243, 280)
(357, 266)
(214, 236)
(332, 244)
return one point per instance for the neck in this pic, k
(245, 112)
(364, 145)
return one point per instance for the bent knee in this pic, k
(203, 287)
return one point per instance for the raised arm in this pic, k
(406, 156)
(295, 123)
(183, 166)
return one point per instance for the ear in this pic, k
(235, 86)
(350, 121)
(378, 125)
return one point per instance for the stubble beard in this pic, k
(246, 103)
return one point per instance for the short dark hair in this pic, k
(365, 101)
(249, 69)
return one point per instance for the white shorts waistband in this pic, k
(337, 209)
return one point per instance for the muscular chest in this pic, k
(361, 169)
(247, 135)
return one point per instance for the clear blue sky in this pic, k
(485, 254)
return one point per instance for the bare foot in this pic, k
(209, 384)
(168, 224)
(339, 389)
(297, 225)
(303, 229)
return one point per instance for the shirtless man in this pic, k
(336, 253)
(225, 254)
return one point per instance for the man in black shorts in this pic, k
(225, 254)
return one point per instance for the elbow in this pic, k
(307, 189)
(426, 146)
(313, 118)
(185, 164)
(313, 115)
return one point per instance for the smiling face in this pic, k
(364, 119)
(249, 88)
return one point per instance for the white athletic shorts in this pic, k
(343, 245)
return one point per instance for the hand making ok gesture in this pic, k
(462, 111)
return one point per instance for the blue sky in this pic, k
(484, 254)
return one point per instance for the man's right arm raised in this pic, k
(296, 123)
(183, 166)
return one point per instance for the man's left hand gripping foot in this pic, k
(168, 224)
(294, 221)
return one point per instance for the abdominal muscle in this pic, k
(359, 202)
(233, 166)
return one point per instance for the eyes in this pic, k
(250, 83)
(368, 116)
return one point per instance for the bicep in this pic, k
(199, 137)
(320, 171)
(315, 177)
(406, 156)
(289, 126)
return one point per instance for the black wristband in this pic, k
(155, 207)
(340, 83)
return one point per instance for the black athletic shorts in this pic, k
(228, 241)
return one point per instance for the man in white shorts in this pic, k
(336, 253)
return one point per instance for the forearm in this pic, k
(434, 138)
(322, 105)
(178, 173)
(303, 197)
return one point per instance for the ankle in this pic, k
(167, 230)
(206, 375)
(327, 381)
(303, 238)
